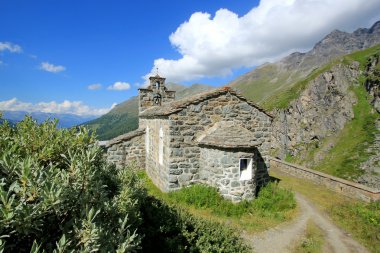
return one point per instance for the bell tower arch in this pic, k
(156, 94)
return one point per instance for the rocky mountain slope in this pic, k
(124, 117)
(332, 125)
(268, 79)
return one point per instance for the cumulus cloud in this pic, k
(119, 86)
(8, 46)
(95, 86)
(215, 45)
(70, 107)
(51, 67)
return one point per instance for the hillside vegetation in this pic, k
(348, 148)
(57, 194)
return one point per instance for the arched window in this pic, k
(147, 140)
(161, 147)
(157, 85)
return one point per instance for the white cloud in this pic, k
(8, 46)
(51, 68)
(95, 86)
(119, 86)
(71, 107)
(214, 46)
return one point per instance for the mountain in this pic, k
(333, 122)
(263, 82)
(65, 120)
(123, 117)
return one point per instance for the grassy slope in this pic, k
(349, 145)
(274, 206)
(122, 119)
(360, 219)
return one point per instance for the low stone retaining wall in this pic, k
(348, 188)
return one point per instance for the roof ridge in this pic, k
(178, 105)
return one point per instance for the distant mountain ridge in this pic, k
(262, 82)
(123, 117)
(65, 120)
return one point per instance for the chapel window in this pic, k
(246, 168)
(161, 147)
(147, 140)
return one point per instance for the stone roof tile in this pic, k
(179, 105)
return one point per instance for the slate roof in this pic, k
(228, 135)
(179, 105)
(126, 137)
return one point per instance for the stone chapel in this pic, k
(218, 138)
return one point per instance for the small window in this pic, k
(161, 147)
(246, 168)
(147, 140)
(157, 84)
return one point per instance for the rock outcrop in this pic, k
(321, 110)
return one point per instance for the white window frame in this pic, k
(147, 140)
(161, 146)
(246, 173)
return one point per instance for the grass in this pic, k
(282, 98)
(313, 240)
(351, 144)
(272, 206)
(360, 219)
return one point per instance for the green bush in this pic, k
(57, 194)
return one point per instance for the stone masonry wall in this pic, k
(156, 171)
(127, 152)
(187, 125)
(220, 168)
(350, 189)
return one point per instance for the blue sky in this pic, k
(82, 57)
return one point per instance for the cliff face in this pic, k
(322, 109)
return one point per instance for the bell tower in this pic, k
(156, 94)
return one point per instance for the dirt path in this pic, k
(280, 239)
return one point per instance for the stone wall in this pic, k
(220, 168)
(189, 124)
(158, 172)
(350, 189)
(127, 152)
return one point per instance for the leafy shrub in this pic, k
(57, 193)
(170, 229)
